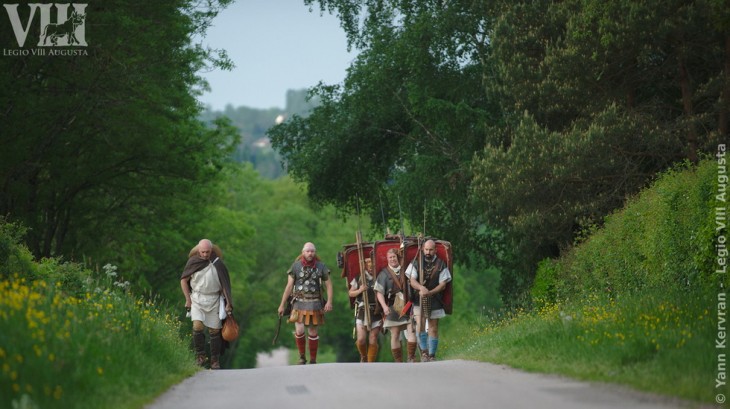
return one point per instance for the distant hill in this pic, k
(252, 125)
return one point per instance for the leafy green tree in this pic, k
(117, 160)
(598, 99)
(509, 127)
(400, 134)
(402, 128)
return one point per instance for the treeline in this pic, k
(510, 128)
(252, 123)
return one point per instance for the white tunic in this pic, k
(206, 297)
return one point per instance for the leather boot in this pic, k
(362, 348)
(411, 352)
(216, 342)
(199, 347)
(397, 354)
(372, 352)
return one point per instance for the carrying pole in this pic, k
(363, 276)
(382, 215)
(425, 301)
(422, 300)
(402, 225)
(364, 279)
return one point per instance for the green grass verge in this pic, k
(661, 343)
(94, 347)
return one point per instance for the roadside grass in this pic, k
(636, 301)
(662, 343)
(65, 345)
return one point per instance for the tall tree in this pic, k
(518, 122)
(94, 143)
(599, 100)
(408, 117)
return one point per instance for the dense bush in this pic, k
(630, 303)
(13, 257)
(663, 239)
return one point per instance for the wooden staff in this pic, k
(364, 279)
(425, 301)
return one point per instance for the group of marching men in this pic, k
(407, 303)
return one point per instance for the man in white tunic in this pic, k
(205, 283)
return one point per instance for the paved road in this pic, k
(442, 384)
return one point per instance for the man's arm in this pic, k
(185, 285)
(422, 290)
(381, 300)
(354, 289)
(328, 305)
(287, 292)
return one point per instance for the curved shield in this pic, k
(408, 249)
(443, 251)
(351, 263)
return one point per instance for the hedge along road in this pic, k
(441, 384)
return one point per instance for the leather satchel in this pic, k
(230, 329)
(290, 311)
(399, 299)
(399, 302)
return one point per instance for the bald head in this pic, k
(429, 249)
(204, 248)
(309, 251)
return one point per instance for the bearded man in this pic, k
(304, 283)
(436, 275)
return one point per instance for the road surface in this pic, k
(442, 384)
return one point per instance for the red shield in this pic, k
(351, 263)
(408, 249)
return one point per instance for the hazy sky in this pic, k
(276, 45)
